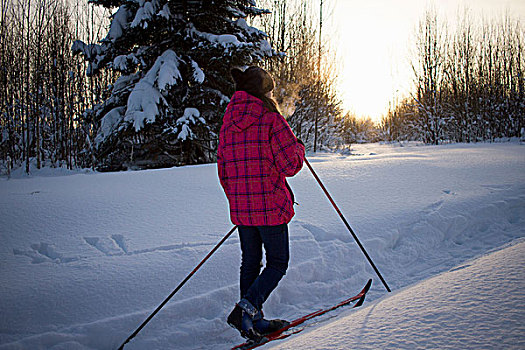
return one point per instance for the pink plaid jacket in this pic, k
(257, 150)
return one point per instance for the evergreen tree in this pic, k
(173, 58)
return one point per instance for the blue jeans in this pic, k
(257, 287)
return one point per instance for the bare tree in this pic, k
(428, 67)
(469, 84)
(43, 89)
(306, 72)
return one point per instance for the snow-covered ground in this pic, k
(477, 305)
(85, 258)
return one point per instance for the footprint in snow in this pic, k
(44, 252)
(110, 246)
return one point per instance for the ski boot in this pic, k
(251, 323)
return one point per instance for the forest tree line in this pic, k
(45, 90)
(468, 86)
(469, 82)
(52, 111)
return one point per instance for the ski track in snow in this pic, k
(86, 258)
(115, 245)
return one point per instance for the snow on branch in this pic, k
(191, 117)
(224, 40)
(143, 104)
(144, 100)
(198, 74)
(93, 53)
(262, 48)
(165, 71)
(241, 23)
(122, 62)
(109, 122)
(145, 13)
(119, 24)
(165, 12)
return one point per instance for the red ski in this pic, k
(289, 329)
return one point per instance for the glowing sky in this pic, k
(372, 40)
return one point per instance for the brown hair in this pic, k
(257, 82)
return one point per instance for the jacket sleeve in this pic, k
(288, 153)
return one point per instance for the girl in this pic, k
(257, 151)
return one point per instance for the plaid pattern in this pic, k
(257, 150)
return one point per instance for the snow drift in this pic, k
(477, 305)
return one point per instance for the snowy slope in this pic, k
(85, 258)
(478, 305)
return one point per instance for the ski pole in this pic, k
(347, 225)
(178, 287)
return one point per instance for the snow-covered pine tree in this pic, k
(173, 58)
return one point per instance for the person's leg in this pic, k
(251, 260)
(247, 315)
(276, 246)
